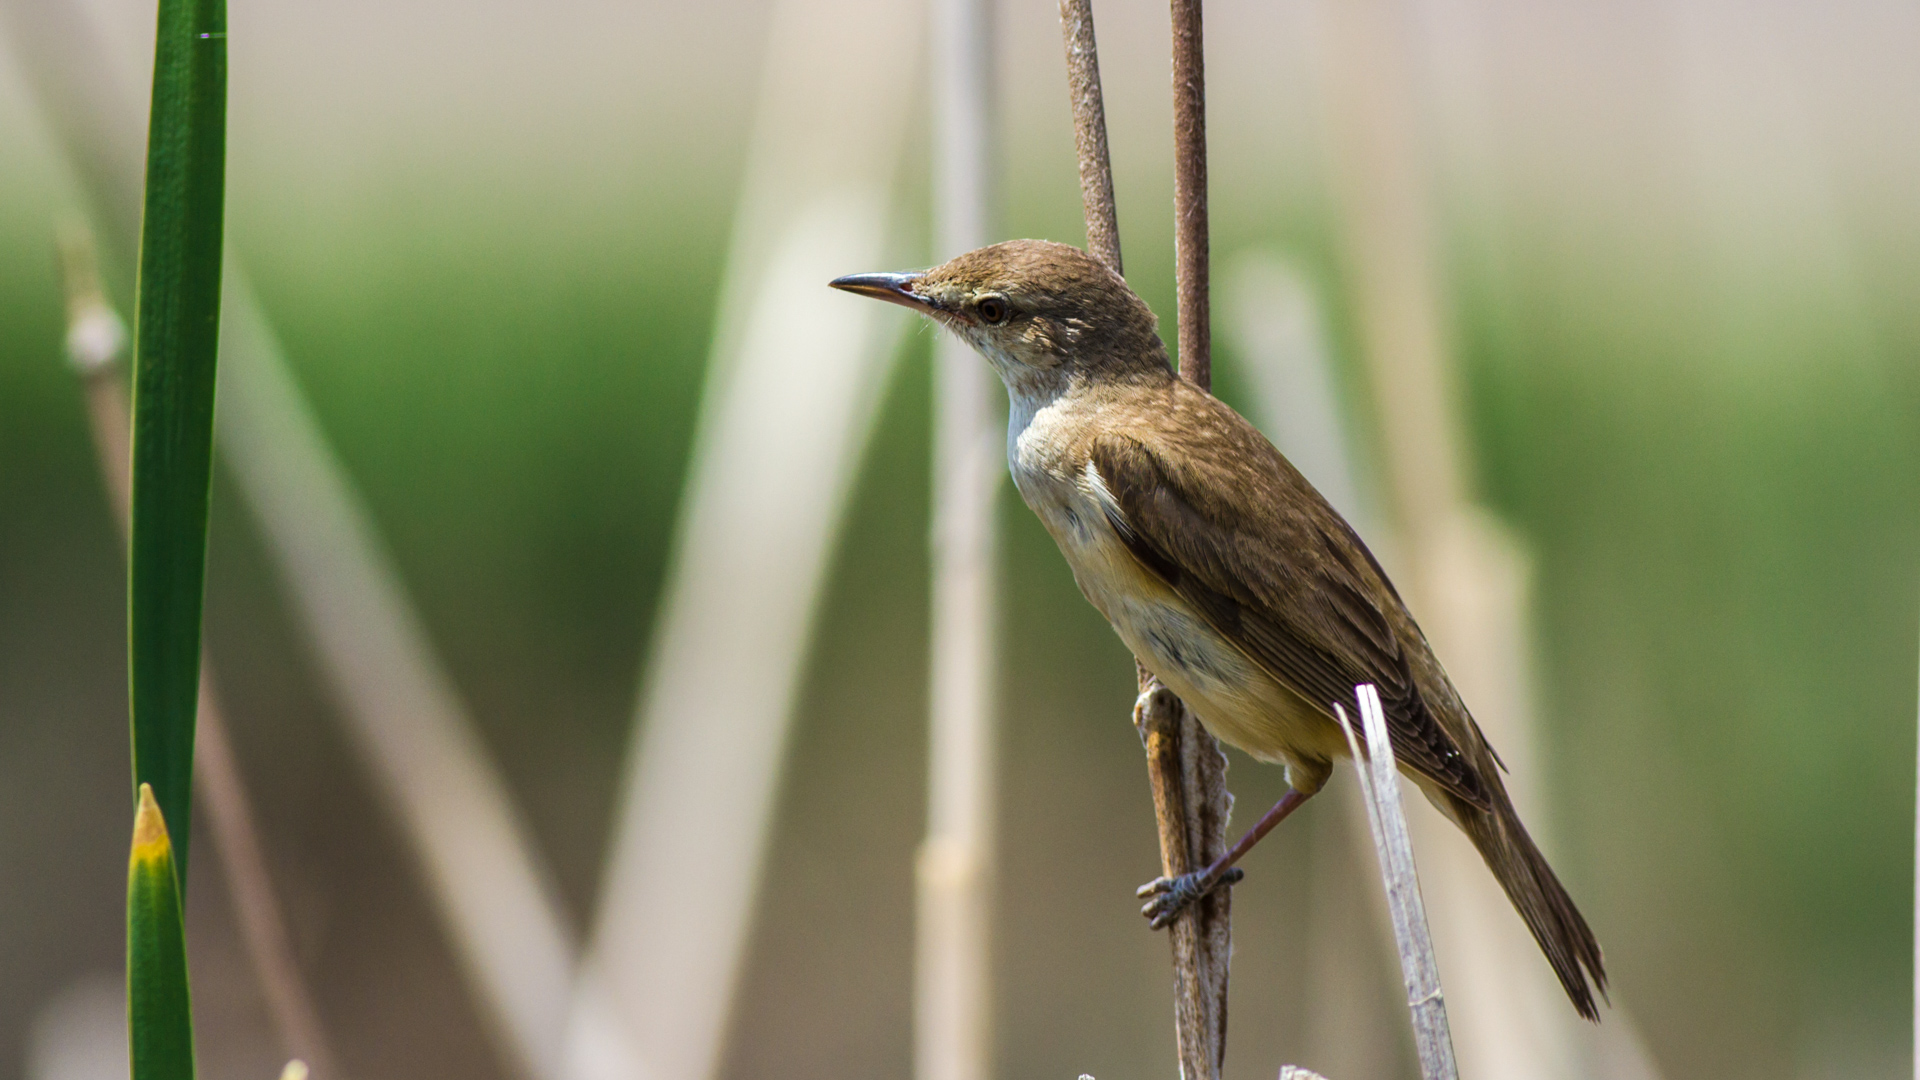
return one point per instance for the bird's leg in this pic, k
(1167, 897)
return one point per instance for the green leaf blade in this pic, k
(159, 1002)
(176, 334)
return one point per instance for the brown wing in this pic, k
(1240, 534)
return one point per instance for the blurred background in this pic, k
(1677, 249)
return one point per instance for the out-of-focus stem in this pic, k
(96, 343)
(792, 390)
(1463, 577)
(1276, 327)
(1461, 582)
(952, 978)
(402, 713)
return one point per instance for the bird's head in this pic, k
(1041, 313)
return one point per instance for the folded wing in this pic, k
(1278, 572)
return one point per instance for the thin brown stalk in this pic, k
(96, 341)
(1191, 806)
(1184, 763)
(1090, 132)
(1190, 247)
(263, 927)
(1204, 767)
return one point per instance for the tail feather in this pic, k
(1557, 925)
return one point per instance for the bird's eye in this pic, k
(993, 310)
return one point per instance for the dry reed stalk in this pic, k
(1191, 806)
(952, 978)
(96, 343)
(1207, 804)
(1090, 132)
(1380, 784)
(1191, 246)
(1463, 578)
(1185, 765)
(793, 387)
(401, 710)
(1279, 339)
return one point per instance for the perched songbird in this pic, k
(1224, 571)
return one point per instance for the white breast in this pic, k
(1238, 701)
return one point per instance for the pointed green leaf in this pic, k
(159, 1005)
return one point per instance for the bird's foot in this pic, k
(1168, 897)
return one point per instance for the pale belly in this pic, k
(1237, 701)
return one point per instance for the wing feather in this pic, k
(1258, 552)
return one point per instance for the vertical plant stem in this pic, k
(1190, 248)
(1208, 805)
(1461, 575)
(952, 978)
(263, 926)
(159, 1011)
(1184, 764)
(1090, 132)
(791, 395)
(1191, 807)
(176, 335)
(176, 340)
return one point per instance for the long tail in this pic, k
(1540, 899)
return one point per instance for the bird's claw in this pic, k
(1167, 897)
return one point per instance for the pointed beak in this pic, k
(893, 288)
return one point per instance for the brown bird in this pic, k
(1219, 565)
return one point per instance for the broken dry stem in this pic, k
(1380, 788)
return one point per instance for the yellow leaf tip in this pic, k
(150, 829)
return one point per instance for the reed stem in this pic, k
(1190, 242)
(953, 1037)
(1090, 132)
(1185, 765)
